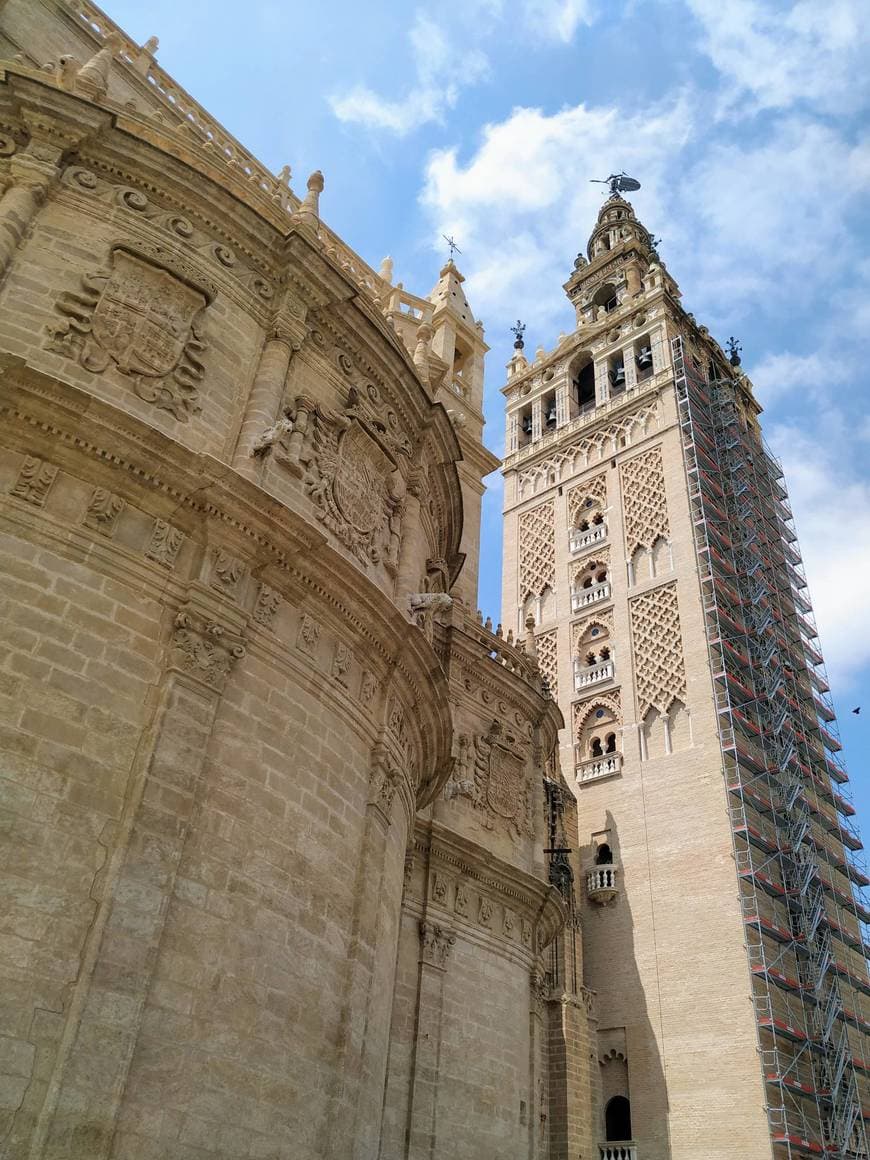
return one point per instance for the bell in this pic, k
(527, 425)
(644, 358)
(551, 415)
(617, 376)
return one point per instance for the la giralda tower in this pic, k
(648, 533)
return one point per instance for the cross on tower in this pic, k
(452, 244)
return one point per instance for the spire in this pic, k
(449, 295)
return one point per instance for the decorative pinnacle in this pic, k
(518, 331)
(734, 348)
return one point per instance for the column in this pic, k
(630, 367)
(536, 418)
(436, 941)
(286, 336)
(87, 1085)
(602, 385)
(563, 410)
(33, 172)
(357, 1099)
(412, 554)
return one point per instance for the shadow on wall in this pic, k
(634, 1096)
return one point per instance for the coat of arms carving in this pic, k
(490, 770)
(354, 479)
(143, 313)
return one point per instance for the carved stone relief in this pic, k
(227, 573)
(308, 635)
(267, 604)
(164, 544)
(435, 944)
(103, 511)
(352, 472)
(34, 480)
(204, 649)
(144, 314)
(490, 770)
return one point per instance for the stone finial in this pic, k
(421, 351)
(539, 354)
(531, 644)
(92, 79)
(285, 175)
(308, 214)
(386, 270)
(151, 45)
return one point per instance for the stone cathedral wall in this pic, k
(263, 820)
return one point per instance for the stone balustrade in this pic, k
(601, 884)
(579, 540)
(625, 1150)
(582, 597)
(586, 675)
(596, 767)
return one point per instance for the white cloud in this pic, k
(832, 517)
(810, 377)
(441, 73)
(785, 53)
(523, 205)
(558, 19)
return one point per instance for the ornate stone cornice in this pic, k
(480, 890)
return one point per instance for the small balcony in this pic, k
(580, 539)
(601, 884)
(587, 675)
(608, 765)
(583, 597)
(625, 1150)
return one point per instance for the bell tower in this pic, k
(647, 532)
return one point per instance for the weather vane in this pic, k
(734, 348)
(452, 244)
(618, 182)
(518, 331)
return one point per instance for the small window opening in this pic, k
(610, 743)
(604, 857)
(617, 1119)
(584, 387)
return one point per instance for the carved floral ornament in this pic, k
(204, 649)
(142, 313)
(351, 462)
(490, 771)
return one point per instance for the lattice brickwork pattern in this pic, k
(548, 659)
(660, 674)
(595, 490)
(581, 712)
(603, 619)
(643, 500)
(583, 453)
(537, 549)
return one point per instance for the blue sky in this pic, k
(745, 120)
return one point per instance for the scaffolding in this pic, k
(798, 871)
